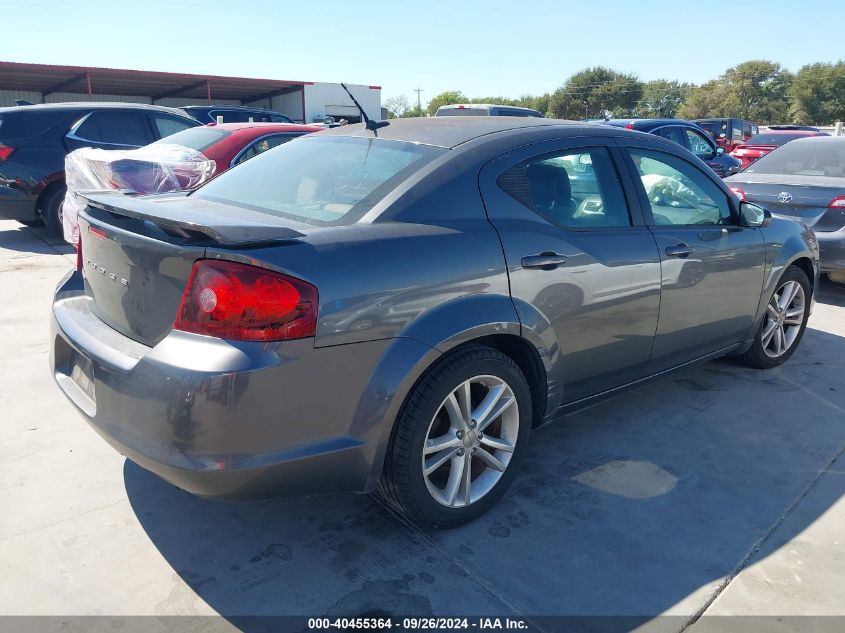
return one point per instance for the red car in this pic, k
(761, 144)
(229, 144)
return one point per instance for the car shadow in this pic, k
(32, 239)
(634, 507)
(831, 293)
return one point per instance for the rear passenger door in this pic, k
(111, 129)
(584, 274)
(711, 267)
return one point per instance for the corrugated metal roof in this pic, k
(46, 78)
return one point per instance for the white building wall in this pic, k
(323, 99)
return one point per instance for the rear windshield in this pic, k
(197, 138)
(328, 181)
(462, 112)
(716, 128)
(772, 139)
(803, 159)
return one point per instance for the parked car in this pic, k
(806, 128)
(804, 180)
(230, 144)
(235, 114)
(212, 337)
(761, 144)
(34, 140)
(180, 162)
(686, 134)
(485, 109)
(728, 132)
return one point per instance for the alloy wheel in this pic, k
(470, 441)
(784, 318)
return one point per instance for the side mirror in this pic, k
(753, 216)
(720, 151)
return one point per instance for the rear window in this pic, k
(198, 138)
(462, 112)
(773, 139)
(808, 158)
(321, 181)
(22, 124)
(715, 128)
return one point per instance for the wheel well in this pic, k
(526, 356)
(49, 189)
(807, 266)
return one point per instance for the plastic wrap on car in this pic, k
(156, 168)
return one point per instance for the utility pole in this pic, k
(419, 103)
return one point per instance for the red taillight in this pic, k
(79, 253)
(100, 234)
(837, 203)
(246, 303)
(629, 126)
(739, 193)
(5, 152)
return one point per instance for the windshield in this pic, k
(198, 138)
(773, 139)
(803, 159)
(325, 181)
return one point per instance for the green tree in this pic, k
(757, 90)
(817, 94)
(446, 98)
(661, 99)
(596, 92)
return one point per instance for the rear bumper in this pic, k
(831, 250)
(217, 418)
(16, 205)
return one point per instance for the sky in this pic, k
(492, 48)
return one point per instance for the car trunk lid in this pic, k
(137, 253)
(795, 198)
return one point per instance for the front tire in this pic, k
(459, 438)
(784, 323)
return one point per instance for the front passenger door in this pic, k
(711, 267)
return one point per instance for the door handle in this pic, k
(547, 260)
(679, 250)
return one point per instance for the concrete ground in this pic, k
(718, 491)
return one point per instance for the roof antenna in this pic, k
(371, 125)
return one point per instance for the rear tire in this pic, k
(459, 438)
(783, 324)
(51, 210)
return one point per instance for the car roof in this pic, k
(228, 107)
(92, 105)
(819, 139)
(452, 131)
(793, 132)
(266, 126)
(651, 122)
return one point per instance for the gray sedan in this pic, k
(804, 180)
(394, 310)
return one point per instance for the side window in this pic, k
(116, 128)
(574, 189)
(737, 130)
(697, 144)
(262, 145)
(229, 116)
(746, 130)
(678, 192)
(167, 125)
(672, 133)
